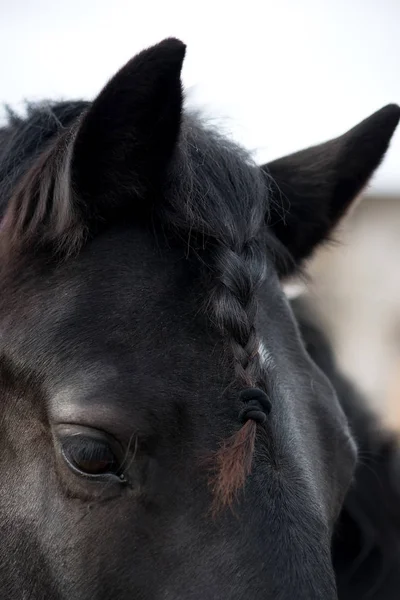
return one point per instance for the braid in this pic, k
(240, 272)
(227, 217)
(239, 275)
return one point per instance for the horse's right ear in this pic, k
(312, 189)
(126, 139)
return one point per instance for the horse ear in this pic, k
(127, 137)
(312, 189)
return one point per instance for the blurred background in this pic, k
(277, 76)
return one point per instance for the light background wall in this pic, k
(355, 288)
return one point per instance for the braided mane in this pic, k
(232, 216)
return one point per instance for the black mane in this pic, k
(24, 138)
(234, 210)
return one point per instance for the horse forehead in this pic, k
(131, 262)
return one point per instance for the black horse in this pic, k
(164, 433)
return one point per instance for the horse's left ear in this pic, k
(126, 139)
(312, 189)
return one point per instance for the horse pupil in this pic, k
(96, 466)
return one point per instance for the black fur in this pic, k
(140, 265)
(366, 548)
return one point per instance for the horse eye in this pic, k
(90, 457)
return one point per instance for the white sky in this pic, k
(281, 74)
